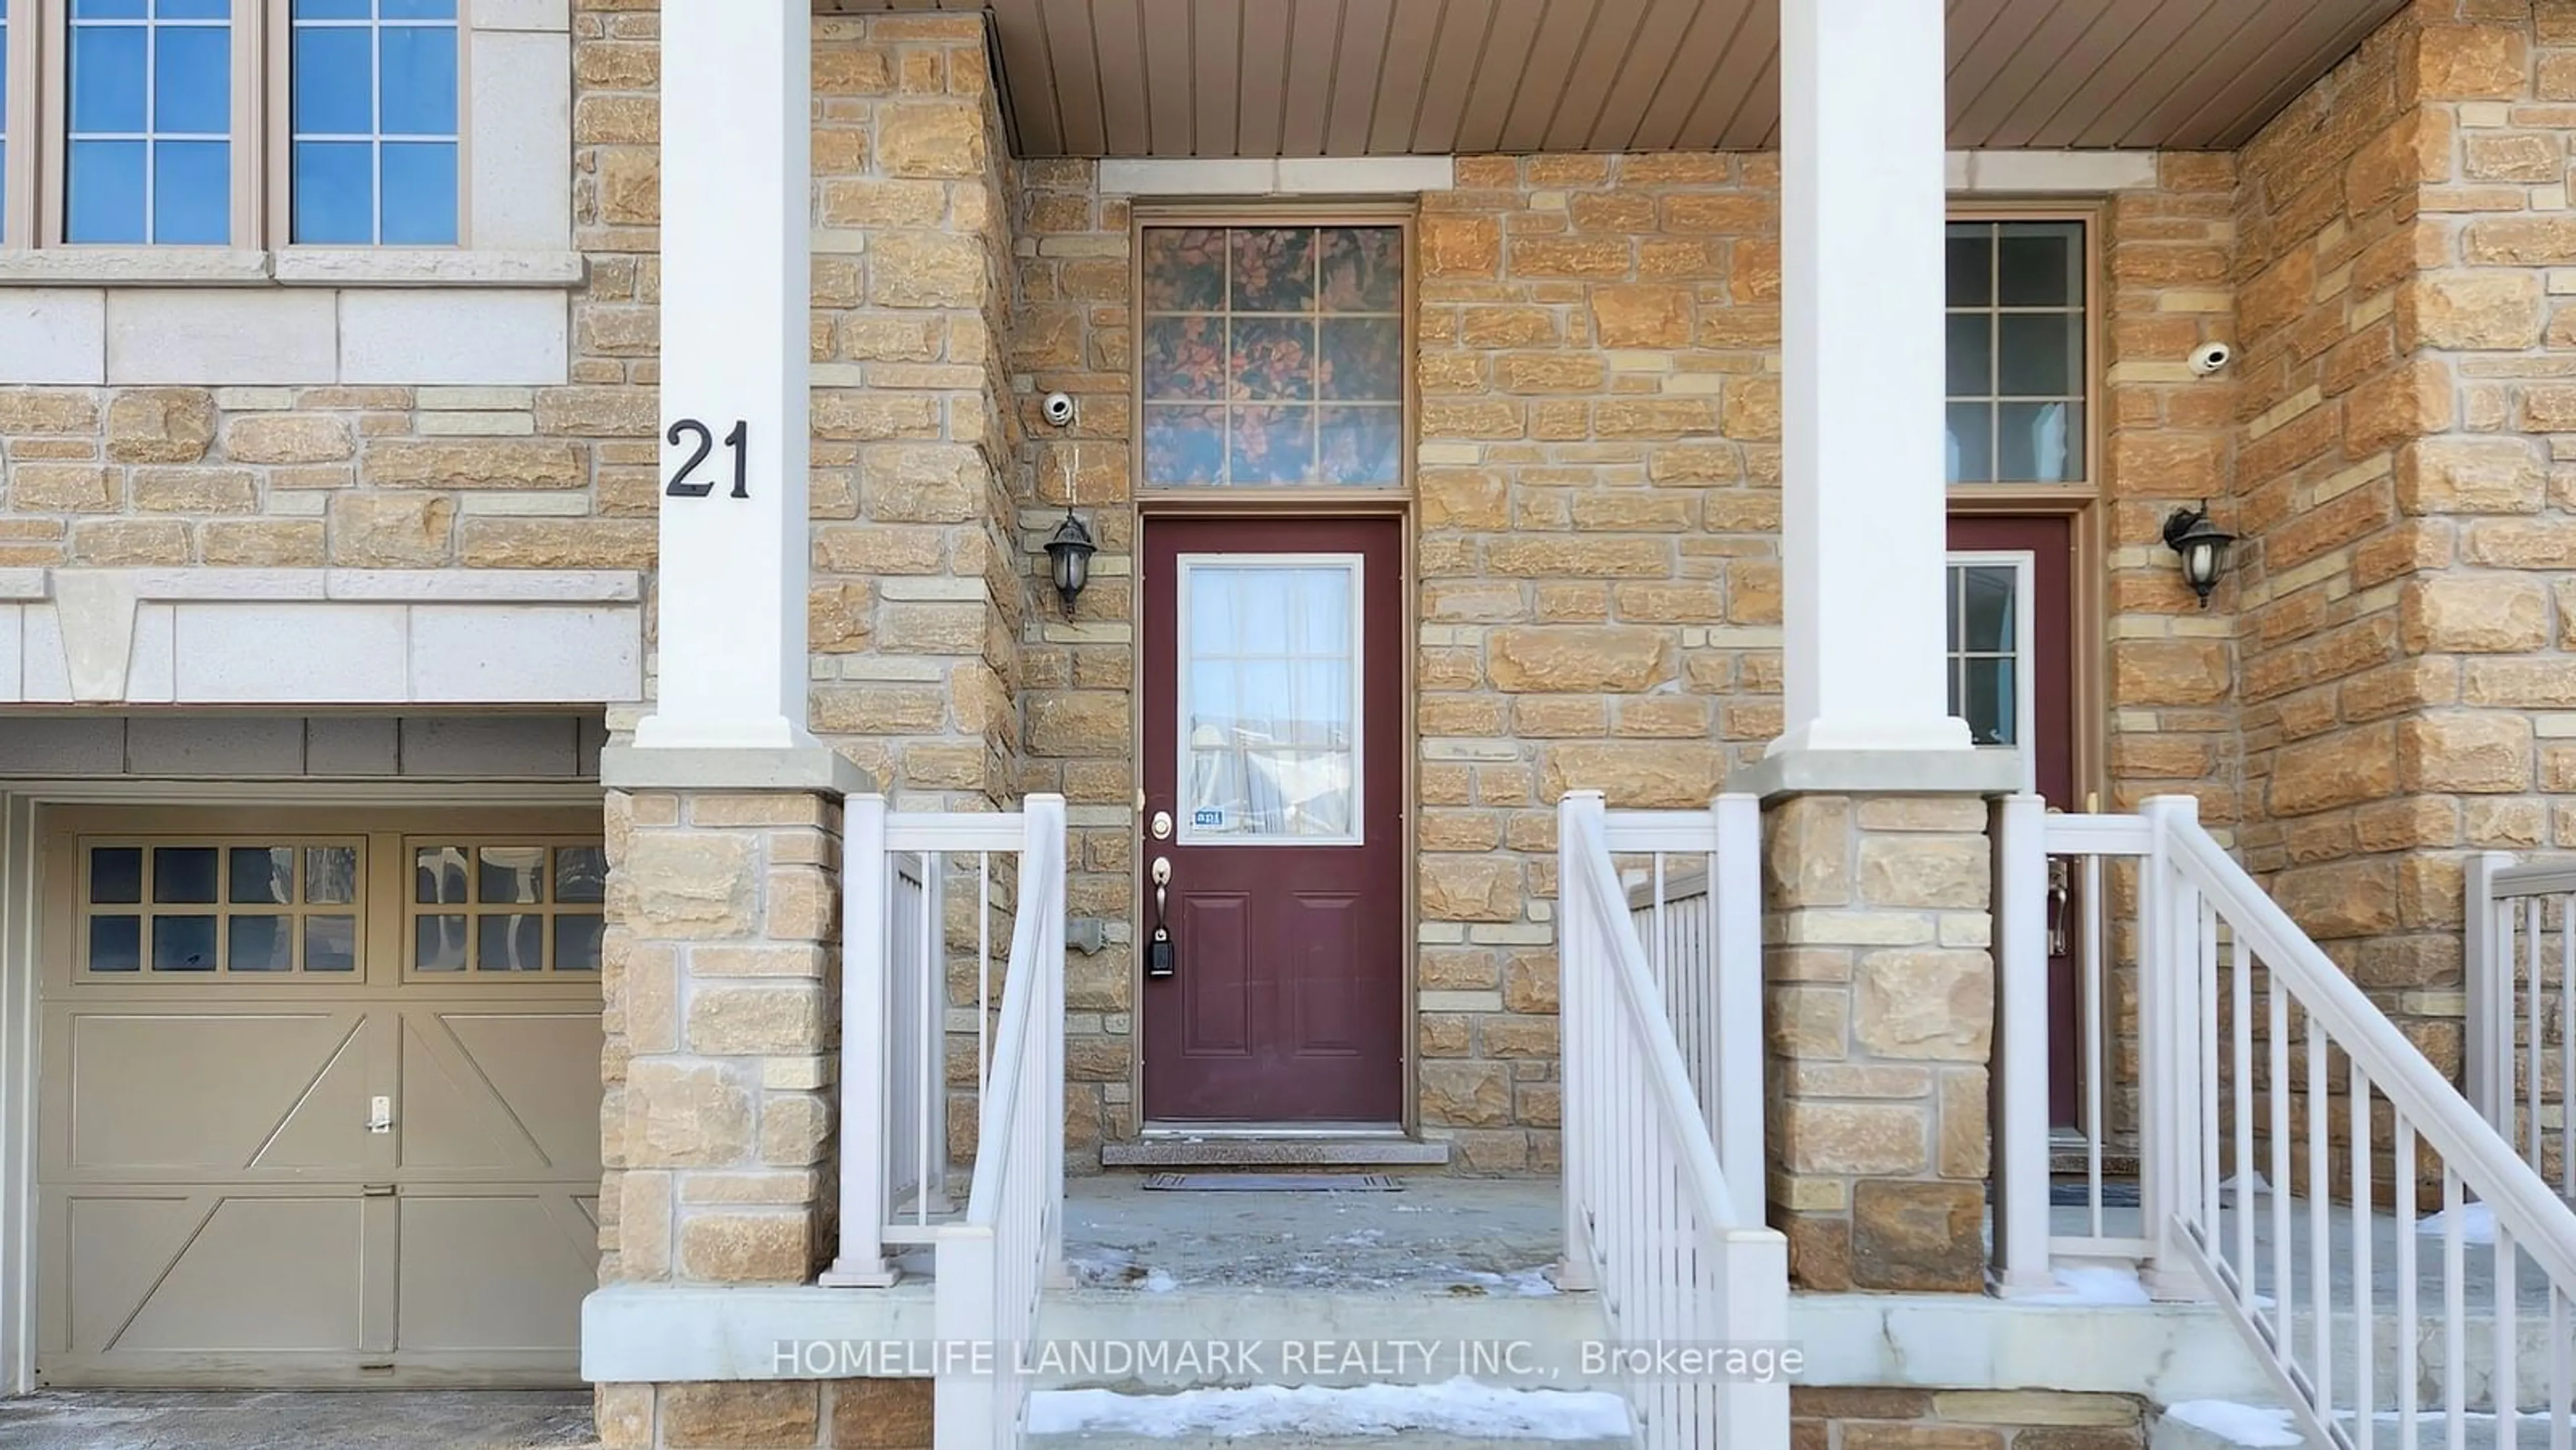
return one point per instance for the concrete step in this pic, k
(1456, 1414)
(2226, 1425)
(1312, 1151)
(1407, 1440)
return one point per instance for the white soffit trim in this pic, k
(1295, 176)
(2027, 172)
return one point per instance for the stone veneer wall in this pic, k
(1597, 529)
(559, 477)
(768, 1415)
(917, 596)
(2409, 603)
(1072, 333)
(1911, 1419)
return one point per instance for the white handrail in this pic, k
(992, 1267)
(2270, 1095)
(2053, 900)
(1650, 1212)
(1696, 861)
(897, 871)
(2514, 1076)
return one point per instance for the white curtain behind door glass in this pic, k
(1267, 707)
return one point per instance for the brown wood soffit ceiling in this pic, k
(1269, 78)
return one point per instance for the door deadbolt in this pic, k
(1162, 826)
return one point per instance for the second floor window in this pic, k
(158, 133)
(375, 122)
(148, 155)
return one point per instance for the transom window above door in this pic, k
(1272, 356)
(231, 123)
(2019, 363)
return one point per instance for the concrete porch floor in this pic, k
(319, 1419)
(1467, 1237)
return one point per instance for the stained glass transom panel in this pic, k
(1273, 356)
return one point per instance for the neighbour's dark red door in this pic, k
(1272, 758)
(2012, 642)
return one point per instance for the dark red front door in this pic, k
(1273, 769)
(2011, 642)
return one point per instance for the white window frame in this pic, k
(39, 125)
(2025, 574)
(1184, 566)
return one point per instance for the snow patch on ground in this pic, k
(2248, 1425)
(1526, 1283)
(1117, 1269)
(2092, 1284)
(1456, 1407)
(2477, 1224)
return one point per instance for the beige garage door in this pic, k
(319, 1097)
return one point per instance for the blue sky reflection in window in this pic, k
(150, 137)
(375, 117)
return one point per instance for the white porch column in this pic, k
(1862, 126)
(737, 144)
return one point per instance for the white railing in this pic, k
(1669, 860)
(2054, 898)
(2522, 993)
(904, 880)
(2266, 1065)
(1653, 1222)
(992, 1267)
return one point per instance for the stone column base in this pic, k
(721, 1013)
(1880, 996)
(870, 1414)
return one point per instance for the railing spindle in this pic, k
(2365, 1298)
(2320, 1211)
(2277, 994)
(2096, 1091)
(2244, 1035)
(2531, 966)
(2455, 1316)
(2507, 1347)
(2410, 1347)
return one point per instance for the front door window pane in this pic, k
(2018, 366)
(1273, 356)
(148, 155)
(1269, 692)
(1985, 651)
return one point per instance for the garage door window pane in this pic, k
(331, 875)
(438, 944)
(116, 874)
(184, 874)
(519, 907)
(581, 874)
(264, 875)
(115, 943)
(440, 875)
(330, 943)
(513, 944)
(577, 943)
(183, 943)
(261, 943)
(515, 874)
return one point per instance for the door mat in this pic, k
(1274, 1183)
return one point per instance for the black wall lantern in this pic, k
(2202, 545)
(1069, 552)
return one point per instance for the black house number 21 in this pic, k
(738, 440)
